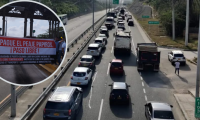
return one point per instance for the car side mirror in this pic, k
(53, 89)
(128, 85)
(110, 85)
(110, 62)
(171, 106)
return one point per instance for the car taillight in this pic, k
(90, 63)
(79, 64)
(69, 112)
(111, 96)
(127, 96)
(71, 77)
(44, 110)
(86, 78)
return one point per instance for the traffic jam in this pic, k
(65, 101)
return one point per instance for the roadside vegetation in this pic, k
(162, 33)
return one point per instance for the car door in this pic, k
(90, 74)
(76, 100)
(77, 95)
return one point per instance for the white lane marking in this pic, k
(112, 49)
(142, 84)
(108, 69)
(145, 97)
(144, 90)
(41, 71)
(141, 78)
(91, 90)
(129, 28)
(100, 109)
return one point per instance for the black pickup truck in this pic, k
(148, 56)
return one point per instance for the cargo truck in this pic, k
(147, 56)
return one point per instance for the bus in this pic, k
(63, 18)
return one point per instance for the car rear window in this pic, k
(178, 55)
(58, 105)
(163, 114)
(86, 59)
(116, 64)
(98, 41)
(109, 20)
(92, 48)
(79, 74)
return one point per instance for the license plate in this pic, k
(179, 59)
(91, 51)
(78, 83)
(56, 114)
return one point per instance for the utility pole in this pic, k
(173, 21)
(198, 64)
(93, 14)
(187, 24)
(106, 6)
(13, 101)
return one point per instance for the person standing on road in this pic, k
(177, 65)
(64, 47)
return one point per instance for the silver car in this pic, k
(158, 111)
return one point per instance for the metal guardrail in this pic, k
(38, 101)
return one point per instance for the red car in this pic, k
(116, 67)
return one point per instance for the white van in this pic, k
(110, 22)
(94, 49)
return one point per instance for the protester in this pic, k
(57, 47)
(60, 54)
(64, 47)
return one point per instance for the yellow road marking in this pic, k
(68, 83)
(8, 95)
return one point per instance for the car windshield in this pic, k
(103, 32)
(178, 55)
(86, 59)
(102, 35)
(92, 48)
(121, 24)
(79, 74)
(163, 114)
(58, 105)
(116, 64)
(98, 41)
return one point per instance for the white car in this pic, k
(94, 49)
(176, 55)
(100, 41)
(103, 27)
(103, 36)
(81, 76)
(121, 25)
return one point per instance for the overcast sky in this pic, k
(16, 26)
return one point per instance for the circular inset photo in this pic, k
(33, 42)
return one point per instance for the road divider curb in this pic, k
(44, 94)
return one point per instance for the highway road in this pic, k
(145, 86)
(78, 25)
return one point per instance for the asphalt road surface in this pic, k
(78, 25)
(145, 86)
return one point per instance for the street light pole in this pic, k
(187, 24)
(198, 64)
(173, 21)
(93, 14)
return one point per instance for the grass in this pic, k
(158, 35)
